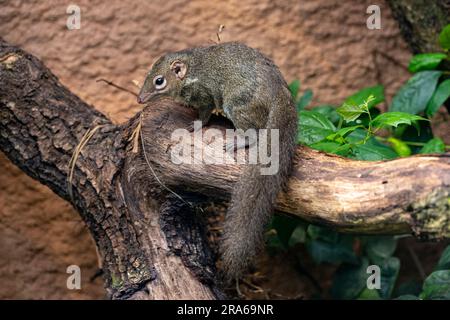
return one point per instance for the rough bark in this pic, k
(383, 197)
(41, 123)
(421, 21)
(151, 243)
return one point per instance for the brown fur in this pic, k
(251, 92)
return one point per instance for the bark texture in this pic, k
(41, 123)
(421, 21)
(383, 197)
(151, 243)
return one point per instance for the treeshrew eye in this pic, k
(159, 82)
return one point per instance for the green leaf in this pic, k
(341, 133)
(326, 146)
(294, 86)
(435, 145)
(343, 150)
(332, 147)
(444, 261)
(340, 251)
(370, 152)
(393, 119)
(369, 294)
(304, 100)
(413, 97)
(350, 112)
(425, 61)
(389, 273)
(364, 118)
(314, 127)
(298, 236)
(444, 38)
(328, 111)
(361, 96)
(326, 245)
(439, 97)
(379, 248)
(437, 286)
(322, 233)
(350, 280)
(399, 146)
(358, 135)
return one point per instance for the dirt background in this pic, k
(324, 44)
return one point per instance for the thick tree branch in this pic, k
(385, 197)
(41, 123)
(151, 243)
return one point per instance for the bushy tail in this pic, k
(254, 197)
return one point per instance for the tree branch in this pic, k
(384, 197)
(41, 124)
(152, 244)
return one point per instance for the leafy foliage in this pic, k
(328, 246)
(314, 126)
(400, 147)
(438, 98)
(444, 261)
(304, 100)
(444, 38)
(437, 286)
(389, 273)
(350, 280)
(379, 248)
(425, 61)
(353, 130)
(414, 96)
(434, 145)
(393, 119)
(360, 97)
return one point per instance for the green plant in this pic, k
(353, 130)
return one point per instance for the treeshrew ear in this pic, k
(179, 68)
